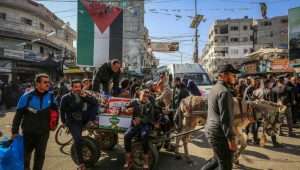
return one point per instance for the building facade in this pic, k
(271, 33)
(29, 32)
(229, 41)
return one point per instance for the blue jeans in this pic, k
(76, 130)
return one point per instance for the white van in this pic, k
(194, 72)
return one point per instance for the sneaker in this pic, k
(81, 167)
(277, 145)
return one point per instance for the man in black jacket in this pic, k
(33, 111)
(219, 121)
(107, 72)
(77, 109)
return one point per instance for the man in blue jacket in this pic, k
(33, 111)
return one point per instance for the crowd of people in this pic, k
(78, 108)
(283, 89)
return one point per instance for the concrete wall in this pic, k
(274, 35)
(133, 35)
(13, 23)
(220, 46)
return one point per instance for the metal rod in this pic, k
(187, 132)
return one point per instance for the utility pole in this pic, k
(195, 57)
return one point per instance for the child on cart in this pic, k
(144, 115)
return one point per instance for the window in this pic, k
(245, 51)
(67, 37)
(284, 21)
(245, 27)
(28, 47)
(26, 21)
(251, 50)
(42, 50)
(266, 23)
(234, 28)
(216, 31)
(42, 26)
(224, 29)
(2, 16)
(234, 51)
(234, 39)
(244, 39)
(198, 78)
(251, 38)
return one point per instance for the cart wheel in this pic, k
(138, 159)
(106, 140)
(63, 136)
(90, 152)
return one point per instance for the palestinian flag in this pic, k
(100, 33)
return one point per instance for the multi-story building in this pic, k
(149, 60)
(232, 39)
(133, 35)
(229, 41)
(271, 33)
(28, 33)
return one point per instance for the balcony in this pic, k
(18, 30)
(13, 54)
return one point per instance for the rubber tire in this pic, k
(111, 136)
(57, 137)
(93, 147)
(138, 156)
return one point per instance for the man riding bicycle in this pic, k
(77, 110)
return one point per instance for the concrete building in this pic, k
(28, 33)
(271, 33)
(232, 39)
(133, 33)
(149, 60)
(229, 41)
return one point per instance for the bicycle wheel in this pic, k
(63, 136)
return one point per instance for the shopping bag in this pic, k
(12, 157)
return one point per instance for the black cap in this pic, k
(227, 68)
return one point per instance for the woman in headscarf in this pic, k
(193, 89)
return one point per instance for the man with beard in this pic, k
(219, 121)
(77, 109)
(107, 72)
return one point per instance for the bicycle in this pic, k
(63, 135)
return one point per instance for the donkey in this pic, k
(192, 111)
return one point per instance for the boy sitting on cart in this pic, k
(143, 116)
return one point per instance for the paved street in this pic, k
(254, 158)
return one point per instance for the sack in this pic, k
(53, 120)
(12, 157)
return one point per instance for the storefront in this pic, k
(20, 70)
(77, 73)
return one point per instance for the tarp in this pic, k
(12, 158)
